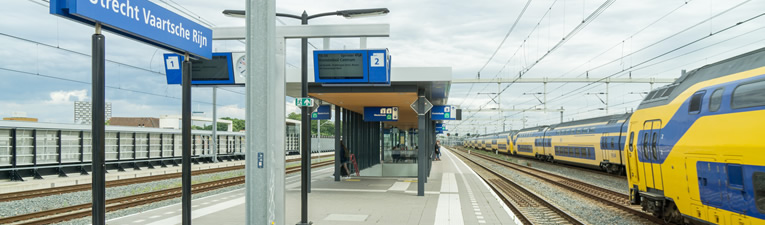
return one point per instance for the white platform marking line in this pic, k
(448, 210)
(138, 221)
(507, 210)
(399, 186)
(202, 212)
(449, 183)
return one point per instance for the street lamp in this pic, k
(305, 119)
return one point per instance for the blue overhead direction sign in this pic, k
(322, 113)
(141, 20)
(380, 114)
(443, 112)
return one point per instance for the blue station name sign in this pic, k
(141, 20)
(322, 113)
(380, 114)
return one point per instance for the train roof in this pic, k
(664, 95)
(533, 129)
(607, 119)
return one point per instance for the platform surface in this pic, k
(454, 195)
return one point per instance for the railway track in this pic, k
(84, 210)
(114, 183)
(589, 170)
(13, 196)
(527, 205)
(607, 197)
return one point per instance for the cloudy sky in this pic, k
(45, 64)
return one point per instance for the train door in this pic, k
(645, 154)
(604, 147)
(651, 139)
(632, 161)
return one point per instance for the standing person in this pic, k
(344, 171)
(438, 150)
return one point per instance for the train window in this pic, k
(668, 91)
(715, 99)
(749, 95)
(645, 145)
(632, 138)
(653, 145)
(758, 180)
(694, 107)
(613, 146)
(735, 176)
(650, 95)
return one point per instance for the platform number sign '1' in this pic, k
(173, 63)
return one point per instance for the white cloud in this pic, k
(232, 111)
(291, 107)
(65, 97)
(460, 34)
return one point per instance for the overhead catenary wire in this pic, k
(585, 22)
(687, 53)
(85, 82)
(670, 51)
(517, 19)
(634, 66)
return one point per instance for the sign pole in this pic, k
(215, 125)
(305, 124)
(186, 142)
(98, 122)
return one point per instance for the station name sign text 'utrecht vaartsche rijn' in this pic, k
(140, 20)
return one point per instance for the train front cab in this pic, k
(705, 165)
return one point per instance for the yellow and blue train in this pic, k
(696, 148)
(693, 151)
(594, 143)
(499, 142)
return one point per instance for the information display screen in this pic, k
(215, 69)
(341, 66)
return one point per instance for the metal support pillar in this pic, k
(544, 96)
(422, 152)
(98, 123)
(215, 125)
(363, 43)
(264, 169)
(305, 117)
(338, 147)
(607, 98)
(186, 142)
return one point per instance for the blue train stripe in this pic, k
(681, 121)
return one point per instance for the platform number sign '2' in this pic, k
(377, 59)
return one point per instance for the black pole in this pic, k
(338, 147)
(98, 184)
(305, 126)
(186, 142)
